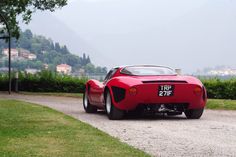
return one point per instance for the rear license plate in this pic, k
(165, 90)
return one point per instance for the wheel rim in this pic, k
(85, 100)
(108, 103)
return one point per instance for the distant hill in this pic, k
(47, 53)
(46, 24)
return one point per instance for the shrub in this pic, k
(220, 89)
(46, 81)
(3, 82)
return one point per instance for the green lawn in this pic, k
(31, 130)
(221, 104)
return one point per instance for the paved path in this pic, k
(213, 135)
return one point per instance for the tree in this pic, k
(28, 34)
(52, 45)
(88, 60)
(25, 40)
(13, 9)
(64, 50)
(84, 59)
(90, 68)
(57, 47)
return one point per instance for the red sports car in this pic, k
(154, 89)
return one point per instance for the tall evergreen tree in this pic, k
(64, 50)
(83, 59)
(57, 47)
(88, 60)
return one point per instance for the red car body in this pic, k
(129, 92)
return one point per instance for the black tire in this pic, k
(194, 113)
(113, 113)
(87, 106)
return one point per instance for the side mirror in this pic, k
(178, 71)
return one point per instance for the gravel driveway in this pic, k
(213, 135)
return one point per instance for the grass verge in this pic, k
(31, 130)
(221, 104)
(73, 95)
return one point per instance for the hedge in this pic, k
(52, 82)
(3, 82)
(220, 89)
(45, 81)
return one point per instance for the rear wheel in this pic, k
(194, 113)
(113, 113)
(87, 106)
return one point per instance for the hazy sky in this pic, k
(187, 34)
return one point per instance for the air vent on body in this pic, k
(118, 93)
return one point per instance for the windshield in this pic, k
(110, 74)
(147, 70)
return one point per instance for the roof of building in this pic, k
(64, 65)
(11, 50)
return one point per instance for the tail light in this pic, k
(197, 90)
(133, 91)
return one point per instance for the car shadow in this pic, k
(144, 116)
(153, 117)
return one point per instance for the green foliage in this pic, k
(22, 65)
(220, 89)
(3, 82)
(46, 81)
(13, 10)
(90, 68)
(52, 82)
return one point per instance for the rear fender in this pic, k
(120, 82)
(93, 87)
(90, 84)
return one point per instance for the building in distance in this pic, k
(64, 69)
(26, 54)
(14, 52)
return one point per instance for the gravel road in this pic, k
(213, 135)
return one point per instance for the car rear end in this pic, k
(172, 95)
